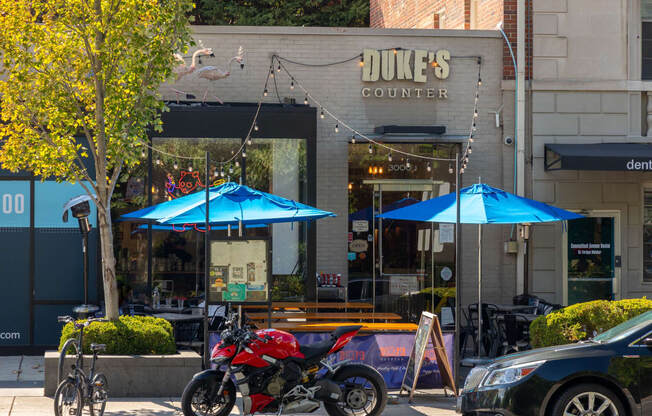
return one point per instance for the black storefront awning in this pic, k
(599, 156)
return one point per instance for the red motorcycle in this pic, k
(275, 374)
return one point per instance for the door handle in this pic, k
(632, 356)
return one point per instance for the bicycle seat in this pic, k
(98, 347)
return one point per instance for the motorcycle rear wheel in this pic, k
(365, 392)
(195, 403)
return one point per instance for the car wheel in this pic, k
(588, 400)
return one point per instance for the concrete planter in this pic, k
(134, 375)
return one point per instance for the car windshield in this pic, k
(624, 329)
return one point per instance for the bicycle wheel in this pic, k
(99, 395)
(62, 357)
(68, 400)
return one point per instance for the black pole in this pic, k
(206, 263)
(458, 273)
(85, 248)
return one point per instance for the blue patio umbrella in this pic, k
(481, 204)
(229, 204)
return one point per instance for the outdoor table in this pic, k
(181, 319)
(325, 316)
(529, 316)
(313, 305)
(331, 326)
(516, 308)
(177, 317)
(169, 309)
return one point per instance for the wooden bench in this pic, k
(331, 326)
(313, 305)
(346, 316)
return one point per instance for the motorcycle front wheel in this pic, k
(364, 392)
(195, 400)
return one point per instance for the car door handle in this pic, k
(631, 356)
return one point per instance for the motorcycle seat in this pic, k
(319, 349)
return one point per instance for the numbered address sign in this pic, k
(14, 203)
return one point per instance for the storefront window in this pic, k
(271, 165)
(647, 236)
(646, 38)
(399, 265)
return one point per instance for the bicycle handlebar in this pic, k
(67, 318)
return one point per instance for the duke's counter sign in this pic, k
(406, 65)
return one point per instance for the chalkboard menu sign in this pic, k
(429, 329)
(238, 271)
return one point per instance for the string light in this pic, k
(450, 168)
(158, 161)
(407, 163)
(353, 139)
(244, 153)
(249, 141)
(371, 149)
(215, 173)
(265, 92)
(230, 169)
(479, 81)
(389, 157)
(279, 68)
(237, 164)
(222, 171)
(190, 168)
(176, 165)
(271, 73)
(469, 150)
(142, 153)
(337, 128)
(321, 114)
(429, 167)
(255, 128)
(292, 85)
(305, 100)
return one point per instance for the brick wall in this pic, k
(456, 14)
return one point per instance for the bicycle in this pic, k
(77, 389)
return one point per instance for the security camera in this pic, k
(509, 141)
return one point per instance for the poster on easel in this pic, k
(238, 271)
(428, 330)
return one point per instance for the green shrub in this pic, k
(130, 335)
(578, 322)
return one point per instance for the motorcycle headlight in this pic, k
(219, 359)
(511, 374)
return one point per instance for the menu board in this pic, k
(238, 271)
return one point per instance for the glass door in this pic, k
(592, 257)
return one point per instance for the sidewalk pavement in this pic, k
(428, 403)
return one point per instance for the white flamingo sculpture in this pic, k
(213, 73)
(183, 69)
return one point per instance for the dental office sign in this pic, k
(405, 65)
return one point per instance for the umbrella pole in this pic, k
(480, 290)
(206, 263)
(458, 273)
(432, 267)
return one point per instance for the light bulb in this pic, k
(271, 73)
(215, 173)
(321, 114)
(265, 92)
(142, 153)
(479, 81)
(237, 164)
(279, 68)
(371, 149)
(462, 170)
(292, 85)
(353, 139)
(231, 169)
(176, 165)
(249, 141)
(222, 172)
(337, 128)
(471, 139)
(475, 113)
(389, 156)
(470, 150)
(189, 168)
(305, 100)
(428, 167)
(395, 52)
(158, 161)
(407, 163)
(450, 168)
(255, 127)
(244, 153)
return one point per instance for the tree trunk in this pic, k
(108, 264)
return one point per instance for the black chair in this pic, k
(516, 333)
(490, 331)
